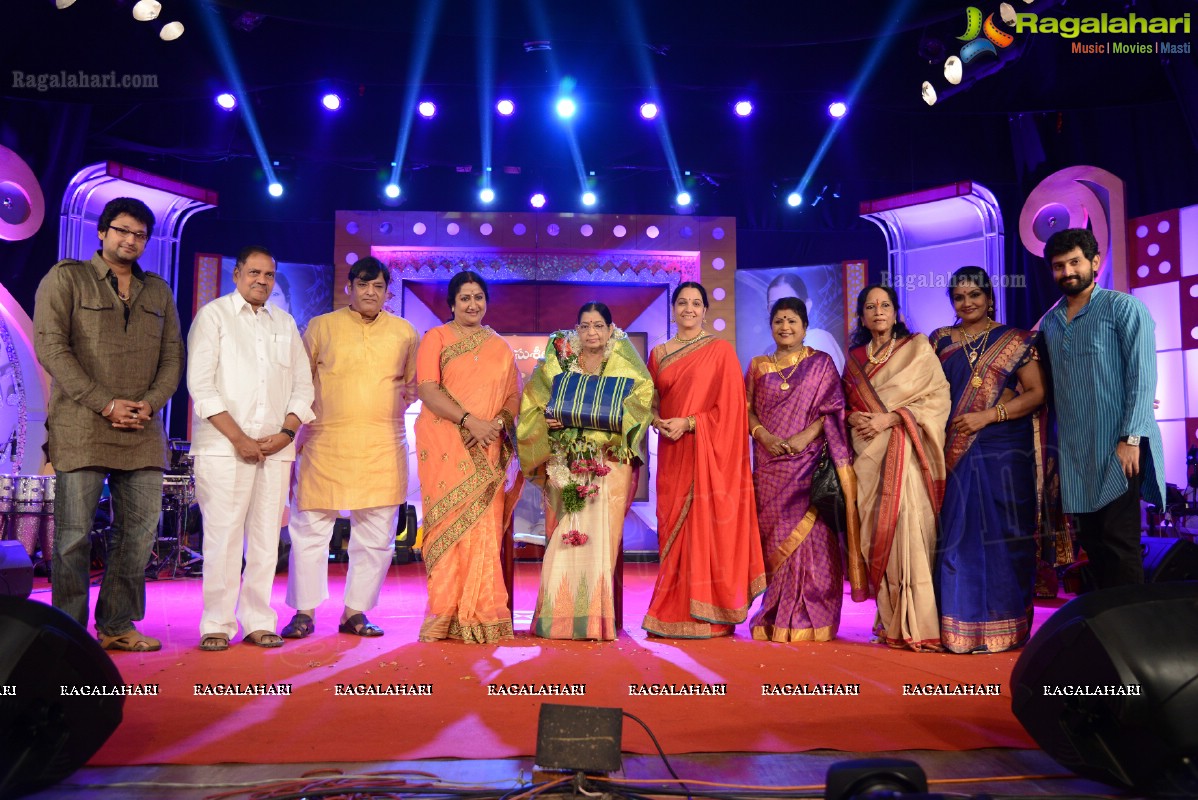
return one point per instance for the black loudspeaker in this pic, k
(405, 535)
(339, 543)
(889, 777)
(16, 570)
(579, 738)
(1109, 687)
(44, 735)
(1169, 559)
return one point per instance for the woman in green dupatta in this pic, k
(587, 475)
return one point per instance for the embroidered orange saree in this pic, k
(711, 564)
(465, 505)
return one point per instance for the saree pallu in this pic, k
(711, 565)
(576, 599)
(986, 560)
(900, 486)
(465, 505)
(802, 554)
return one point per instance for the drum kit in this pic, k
(27, 515)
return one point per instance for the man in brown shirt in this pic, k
(108, 334)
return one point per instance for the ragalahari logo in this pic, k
(992, 38)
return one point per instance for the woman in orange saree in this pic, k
(467, 380)
(898, 400)
(711, 564)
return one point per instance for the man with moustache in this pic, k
(1102, 353)
(251, 389)
(108, 334)
(354, 457)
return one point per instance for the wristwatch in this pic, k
(1134, 441)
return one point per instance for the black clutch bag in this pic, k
(826, 496)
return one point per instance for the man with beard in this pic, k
(108, 334)
(1102, 351)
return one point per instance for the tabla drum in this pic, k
(29, 510)
(8, 493)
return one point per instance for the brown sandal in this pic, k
(300, 627)
(264, 639)
(214, 642)
(131, 642)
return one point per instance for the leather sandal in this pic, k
(130, 641)
(263, 638)
(214, 642)
(358, 625)
(300, 627)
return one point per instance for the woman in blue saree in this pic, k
(987, 553)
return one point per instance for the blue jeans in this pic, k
(136, 505)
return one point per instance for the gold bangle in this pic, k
(1002, 412)
(691, 421)
(753, 433)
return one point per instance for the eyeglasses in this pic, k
(597, 327)
(140, 236)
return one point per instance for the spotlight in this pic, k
(683, 199)
(487, 195)
(391, 190)
(649, 110)
(537, 200)
(1007, 12)
(331, 101)
(427, 109)
(566, 108)
(61, 4)
(953, 70)
(146, 10)
(743, 108)
(275, 189)
(837, 110)
(171, 31)
(505, 108)
(794, 199)
(589, 199)
(226, 101)
(928, 92)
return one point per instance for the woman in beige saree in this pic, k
(898, 401)
(466, 378)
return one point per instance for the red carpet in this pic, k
(460, 719)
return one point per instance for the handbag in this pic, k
(826, 495)
(589, 401)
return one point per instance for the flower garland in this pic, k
(576, 462)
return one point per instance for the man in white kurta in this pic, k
(354, 457)
(251, 389)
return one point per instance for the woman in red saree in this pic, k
(467, 381)
(898, 402)
(711, 564)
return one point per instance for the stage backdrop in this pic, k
(303, 290)
(829, 290)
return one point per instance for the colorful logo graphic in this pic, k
(994, 38)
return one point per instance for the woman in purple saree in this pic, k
(796, 406)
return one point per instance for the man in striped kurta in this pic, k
(1102, 353)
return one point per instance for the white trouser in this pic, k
(371, 541)
(242, 505)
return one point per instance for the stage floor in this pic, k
(470, 701)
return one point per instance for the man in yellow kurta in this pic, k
(354, 457)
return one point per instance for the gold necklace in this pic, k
(678, 338)
(787, 376)
(462, 333)
(869, 351)
(973, 351)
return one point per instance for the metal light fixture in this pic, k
(954, 70)
(147, 10)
